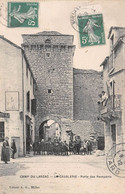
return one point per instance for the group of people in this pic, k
(49, 147)
(7, 150)
(80, 147)
(58, 147)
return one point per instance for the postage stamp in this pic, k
(115, 160)
(88, 21)
(23, 14)
(91, 30)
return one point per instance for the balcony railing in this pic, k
(113, 104)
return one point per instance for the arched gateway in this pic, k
(50, 128)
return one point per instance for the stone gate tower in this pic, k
(50, 55)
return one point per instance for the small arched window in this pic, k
(48, 41)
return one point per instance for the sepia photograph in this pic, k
(62, 97)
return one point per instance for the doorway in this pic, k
(100, 143)
(28, 134)
(17, 142)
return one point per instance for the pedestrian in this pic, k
(5, 153)
(87, 147)
(65, 148)
(28, 142)
(90, 147)
(82, 148)
(14, 149)
(78, 145)
(71, 147)
(35, 147)
(41, 147)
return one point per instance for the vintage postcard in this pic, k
(62, 97)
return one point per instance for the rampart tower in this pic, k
(50, 55)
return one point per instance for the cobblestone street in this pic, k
(58, 174)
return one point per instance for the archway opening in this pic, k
(49, 130)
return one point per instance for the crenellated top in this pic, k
(50, 47)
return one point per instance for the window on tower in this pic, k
(47, 54)
(49, 91)
(48, 41)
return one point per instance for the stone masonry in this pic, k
(87, 85)
(50, 55)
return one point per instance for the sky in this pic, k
(55, 16)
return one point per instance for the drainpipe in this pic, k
(23, 104)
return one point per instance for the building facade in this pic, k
(112, 109)
(66, 97)
(17, 100)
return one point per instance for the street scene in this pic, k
(53, 174)
(62, 98)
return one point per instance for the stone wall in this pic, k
(82, 128)
(87, 86)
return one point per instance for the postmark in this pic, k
(115, 160)
(88, 21)
(23, 14)
(3, 15)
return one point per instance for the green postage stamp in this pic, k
(91, 30)
(23, 14)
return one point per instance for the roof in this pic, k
(15, 45)
(114, 27)
(104, 62)
(119, 41)
(47, 33)
(85, 71)
(27, 62)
